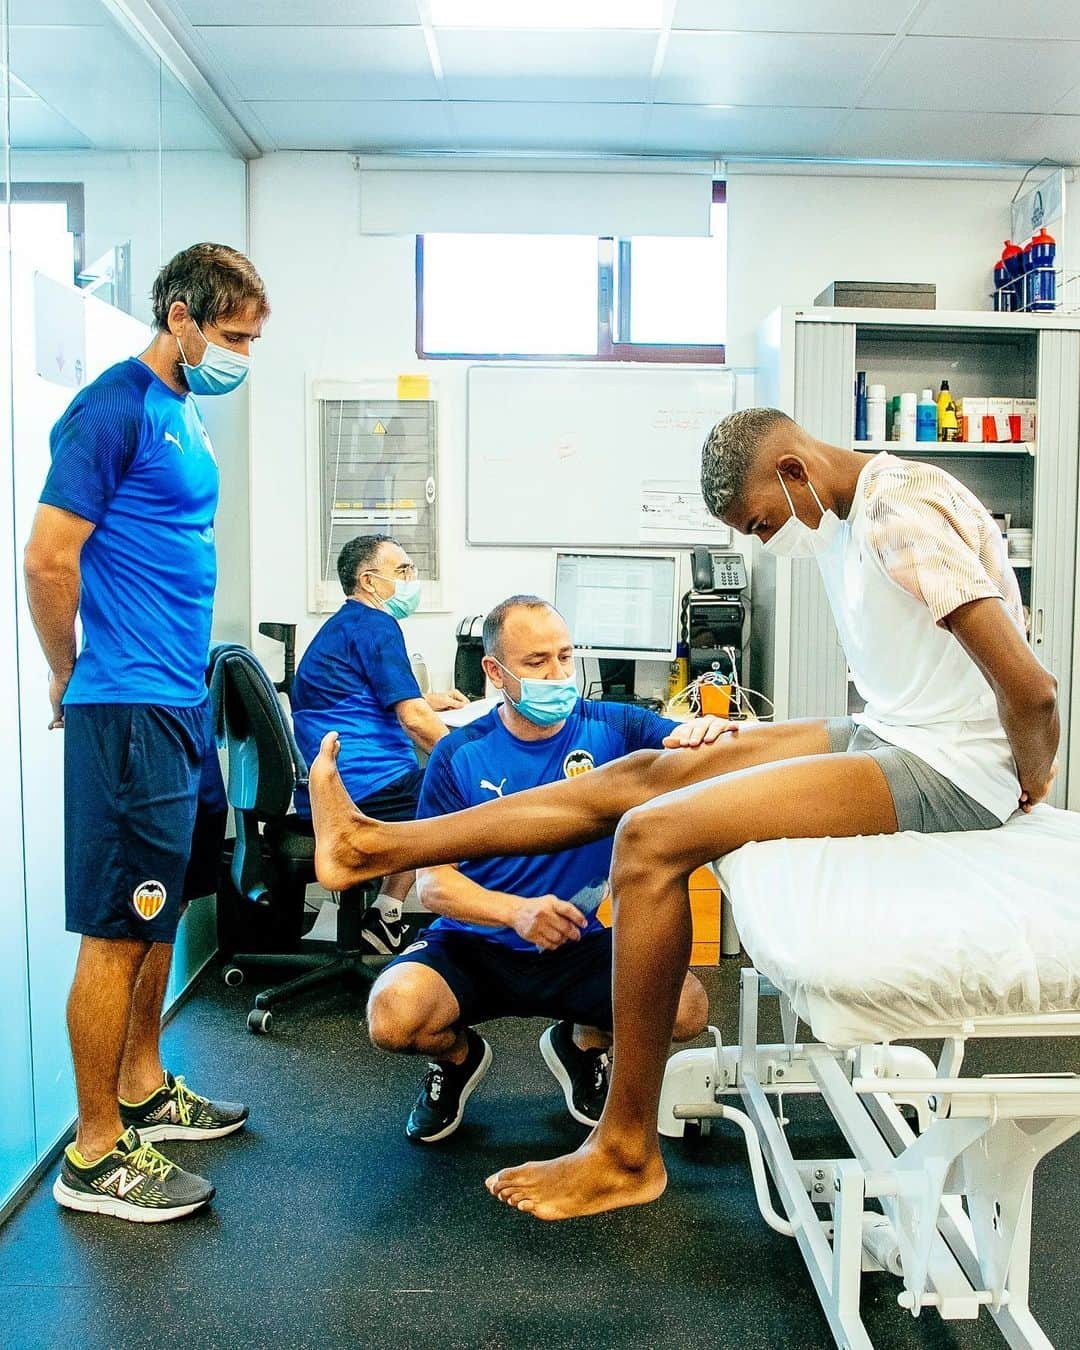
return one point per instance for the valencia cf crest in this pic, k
(577, 762)
(149, 899)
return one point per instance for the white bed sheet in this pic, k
(887, 936)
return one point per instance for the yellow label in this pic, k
(379, 429)
(413, 386)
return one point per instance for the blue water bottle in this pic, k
(860, 405)
(1040, 281)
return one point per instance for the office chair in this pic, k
(261, 899)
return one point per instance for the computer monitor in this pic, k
(621, 606)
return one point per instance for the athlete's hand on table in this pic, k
(549, 922)
(445, 702)
(699, 731)
(57, 689)
(1036, 790)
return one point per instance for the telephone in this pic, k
(712, 572)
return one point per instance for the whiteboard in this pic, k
(557, 455)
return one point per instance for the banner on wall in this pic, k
(1040, 207)
(59, 332)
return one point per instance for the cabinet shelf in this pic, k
(946, 448)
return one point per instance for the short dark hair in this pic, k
(729, 453)
(214, 281)
(496, 620)
(358, 555)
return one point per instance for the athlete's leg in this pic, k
(350, 847)
(413, 1011)
(657, 847)
(141, 1071)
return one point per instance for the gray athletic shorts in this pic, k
(925, 800)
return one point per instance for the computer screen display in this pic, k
(619, 605)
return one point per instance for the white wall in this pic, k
(344, 308)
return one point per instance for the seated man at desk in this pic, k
(518, 936)
(355, 676)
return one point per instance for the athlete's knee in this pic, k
(647, 841)
(395, 1020)
(693, 1011)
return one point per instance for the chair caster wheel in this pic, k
(260, 1021)
(233, 976)
(692, 1131)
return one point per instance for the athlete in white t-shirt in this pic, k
(960, 729)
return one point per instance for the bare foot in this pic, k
(346, 841)
(589, 1181)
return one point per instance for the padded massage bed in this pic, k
(870, 941)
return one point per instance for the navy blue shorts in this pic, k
(490, 979)
(396, 801)
(131, 785)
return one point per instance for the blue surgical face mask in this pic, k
(219, 370)
(405, 598)
(544, 702)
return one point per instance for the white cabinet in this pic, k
(807, 362)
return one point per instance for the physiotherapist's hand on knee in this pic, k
(700, 731)
(549, 922)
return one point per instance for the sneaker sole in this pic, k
(155, 1133)
(466, 1092)
(120, 1209)
(558, 1070)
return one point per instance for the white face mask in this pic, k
(794, 539)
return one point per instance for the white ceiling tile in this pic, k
(35, 126)
(794, 16)
(773, 71)
(676, 129)
(356, 126)
(1056, 138)
(298, 13)
(590, 67)
(975, 75)
(869, 133)
(976, 18)
(1069, 104)
(590, 128)
(324, 63)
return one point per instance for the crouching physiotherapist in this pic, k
(124, 535)
(518, 936)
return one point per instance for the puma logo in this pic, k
(490, 787)
(175, 440)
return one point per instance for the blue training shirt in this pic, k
(353, 673)
(484, 760)
(132, 456)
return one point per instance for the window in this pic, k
(574, 297)
(375, 473)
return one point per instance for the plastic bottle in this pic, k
(1011, 292)
(926, 415)
(948, 425)
(908, 405)
(894, 418)
(875, 413)
(1040, 281)
(860, 405)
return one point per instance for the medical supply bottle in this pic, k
(948, 425)
(860, 405)
(908, 406)
(926, 414)
(875, 413)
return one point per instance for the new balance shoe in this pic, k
(175, 1112)
(385, 937)
(132, 1182)
(582, 1074)
(446, 1089)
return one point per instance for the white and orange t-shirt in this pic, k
(916, 546)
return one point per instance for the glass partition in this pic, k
(111, 169)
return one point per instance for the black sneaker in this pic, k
(385, 937)
(132, 1182)
(582, 1074)
(175, 1112)
(447, 1087)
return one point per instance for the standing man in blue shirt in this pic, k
(356, 676)
(124, 536)
(518, 936)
